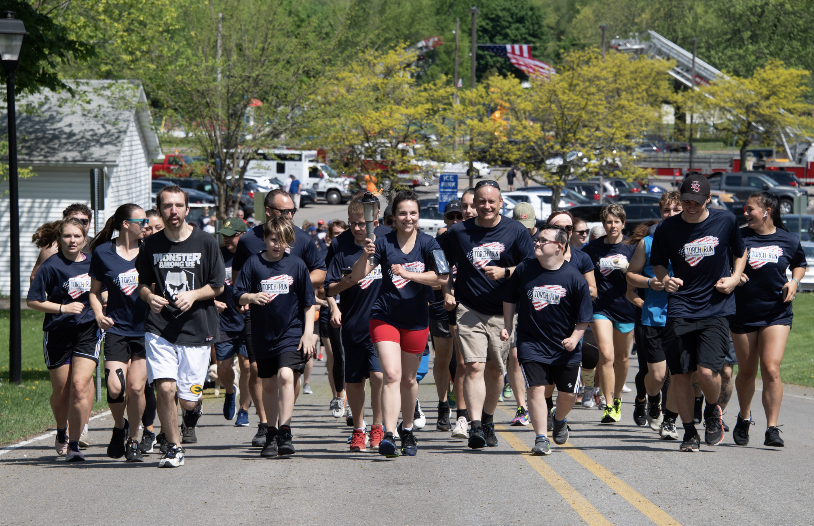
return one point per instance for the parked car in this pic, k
(635, 215)
(782, 177)
(195, 196)
(430, 218)
(744, 184)
(637, 199)
(807, 283)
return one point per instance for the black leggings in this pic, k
(339, 358)
(148, 417)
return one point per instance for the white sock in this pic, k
(407, 428)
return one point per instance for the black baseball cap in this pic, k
(452, 206)
(695, 188)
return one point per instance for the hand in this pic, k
(744, 279)
(638, 302)
(336, 319)
(221, 306)
(495, 273)
(185, 299)
(570, 343)
(621, 263)
(790, 290)
(449, 302)
(321, 302)
(103, 321)
(656, 284)
(74, 308)
(672, 284)
(243, 309)
(398, 270)
(261, 298)
(504, 335)
(369, 247)
(157, 303)
(727, 285)
(308, 344)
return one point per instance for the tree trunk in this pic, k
(744, 145)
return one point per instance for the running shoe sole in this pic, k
(388, 449)
(693, 445)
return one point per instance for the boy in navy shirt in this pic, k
(700, 244)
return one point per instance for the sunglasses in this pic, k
(84, 221)
(454, 216)
(491, 183)
(286, 211)
(142, 222)
(581, 232)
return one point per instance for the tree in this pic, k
(768, 103)
(510, 22)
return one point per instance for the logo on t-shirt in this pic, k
(276, 285)
(547, 294)
(759, 256)
(127, 281)
(481, 256)
(696, 250)
(610, 263)
(177, 260)
(77, 285)
(228, 279)
(178, 282)
(398, 281)
(376, 273)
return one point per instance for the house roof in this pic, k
(90, 127)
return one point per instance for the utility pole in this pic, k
(692, 110)
(474, 12)
(601, 178)
(455, 82)
(603, 27)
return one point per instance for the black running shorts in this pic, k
(440, 329)
(292, 358)
(60, 345)
(689, 343)
(123, 348)
(565, 377)
(650, 343)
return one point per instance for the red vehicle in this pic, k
(170, 164)
(804, 172)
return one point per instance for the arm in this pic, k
(49, 307)
(449, 297)
(422, 278)
(634, 276)
(790, 288)
(45, 253)
(571, 342)
(591, 279)
(317, 277)
(185, 299)
(727, 285)
(96, 301)
(632, 297)
(308, 341)
(156, 302)
(671, 284)
(508, 321)
(362, 267)
(495, 273)
(336, 314)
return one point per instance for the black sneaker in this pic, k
(116, 447)
(477, 440)
(285, 446)
(560, 432)
(714, 433)
(489, 434)
(161, 440)
(640, 412)
(259, 439)
(541, 446)
(741, 433)
(269, 443)
(726, 427)
(691, 444)
(148, 441)
(699, 407)
(773, 437)
(132, 451)
(443, 418)
(409, 445)
(188, 434)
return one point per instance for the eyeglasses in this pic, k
(83, 220)
(568, 228)
(489, 182)
(286, 211)
(358, 225)
(142, 222)
(454, 216)
(543, 241)
(581, 232)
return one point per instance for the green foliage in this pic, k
(510, 22)
(22, 173)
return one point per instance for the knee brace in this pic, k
(120, 398)
(590, 356)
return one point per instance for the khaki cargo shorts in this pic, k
(479, 338)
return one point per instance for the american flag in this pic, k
(520, 56)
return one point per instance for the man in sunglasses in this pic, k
(277, 203)
(485, 250)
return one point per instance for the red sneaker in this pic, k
(357, 441)
(376, 436)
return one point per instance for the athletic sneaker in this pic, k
(459, 431)
(419, 418)
(115, 449)
(726, 427)
(691, 444)
(269, 444)
(242, 419)
(654, 415)
(507, 390)
(549, 424)
(74, 455)
(376, 436)
(147, 441)
(409, 445)
(161, 439)
(306, 389)
(132, 452)
(443, 418)
(489, 434)
(84, 439)
(337, 407)
(588, 400)
(741, 433)
(612, 413)
(699, 406)
(387, 447)
(188, 434)
(714, 433)
(61, 447)
(601, 403)
(173, 458)
(477, 438)
(285, 445)
(640, 412)
(229, 404)
(773, 437)
(626, 389)
(560, 433)
(541, 446)
(667, 430)
(259, 438)
(521, 417)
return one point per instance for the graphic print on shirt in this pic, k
(127, 281)
(611, 263)
(276, 285)
(228, 279)
(480, 256)
(546, 295)
(759, 256)
(415, 266)
(77, 285)
(376, 273)
(178, 282)
(696, 250)
(177, 260)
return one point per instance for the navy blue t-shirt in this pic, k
(700, 254)
(550, 303)
(759, 301)
(611, 284)
(357, 301)
(471, 247)
(581, 261)
(120, 278)
(278, 326)
(347, 236)
(62, 281)
(231, 320)
(253, 242)
(402, 302)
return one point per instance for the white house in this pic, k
(107, 126)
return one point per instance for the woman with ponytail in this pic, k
(113, 269)
(60, 289)
(762, 322)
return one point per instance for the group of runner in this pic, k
(500, 298)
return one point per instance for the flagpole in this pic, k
(455, 83)
(474, 12)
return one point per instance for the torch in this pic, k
(370, 204)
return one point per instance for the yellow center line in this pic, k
(585, 509)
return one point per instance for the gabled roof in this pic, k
(90, 127)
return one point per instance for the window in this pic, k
(281, 168)
(174, 161)
(732, 180)
(755, 182)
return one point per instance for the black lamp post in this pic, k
(12, 32)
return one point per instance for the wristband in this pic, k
(795, 280)
(60, 308)
(506, 273)
(648, 282)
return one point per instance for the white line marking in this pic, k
(42, 437)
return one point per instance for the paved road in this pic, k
(619, 474)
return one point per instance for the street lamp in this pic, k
(12, 32)
(370, 204)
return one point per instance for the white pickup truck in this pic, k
(303, 165)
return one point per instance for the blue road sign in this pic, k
(447, 190)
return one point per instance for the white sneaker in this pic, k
(306, 389)
(588, 398)
(84, 439)
(338, 407)
(173, 458)
(419, 419)
(459, 431)
(626, 389)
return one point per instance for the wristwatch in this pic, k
(506, 273)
